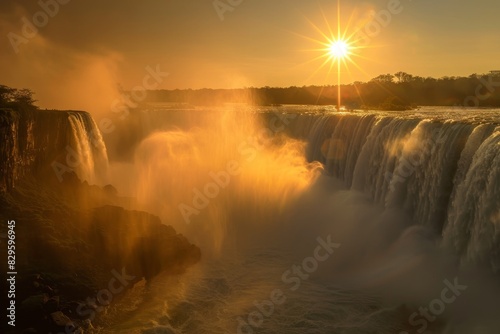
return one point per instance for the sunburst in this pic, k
(338, 48)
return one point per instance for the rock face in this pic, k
(60, 319)
(49, 143)
(139, 242)
(68, 255)
(74, 237)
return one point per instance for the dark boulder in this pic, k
(139, 242)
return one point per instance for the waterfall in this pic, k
(472, 228)
(444, 174)
(48, 144)
(89, 148)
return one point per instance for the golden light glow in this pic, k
(338, 46)
(339, 49)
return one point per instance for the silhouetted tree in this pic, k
(384, 78)
(15, 98)
(403, 77)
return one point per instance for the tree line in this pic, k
(399, 91)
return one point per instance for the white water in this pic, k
(412, 198)
(86, 152)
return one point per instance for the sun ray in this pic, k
(339, 46)
(330, 31)
(346, 30)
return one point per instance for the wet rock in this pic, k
(49, 290)
(32, 304)
(51, 305)
(139, 242)
(87, 325)
(110, 190)
(60, 319)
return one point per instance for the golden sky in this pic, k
(85, 48)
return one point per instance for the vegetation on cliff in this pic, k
(16, 98)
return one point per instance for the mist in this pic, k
(236, 183)
(150, 182)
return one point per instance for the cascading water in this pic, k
(47, 143)
(444, 174)
(404, 195)
(472, 228)
(89, 148)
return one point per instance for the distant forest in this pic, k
(400, 91)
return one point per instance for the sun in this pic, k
(339, 49)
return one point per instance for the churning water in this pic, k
(312, 221)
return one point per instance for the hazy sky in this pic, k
(88, 47)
